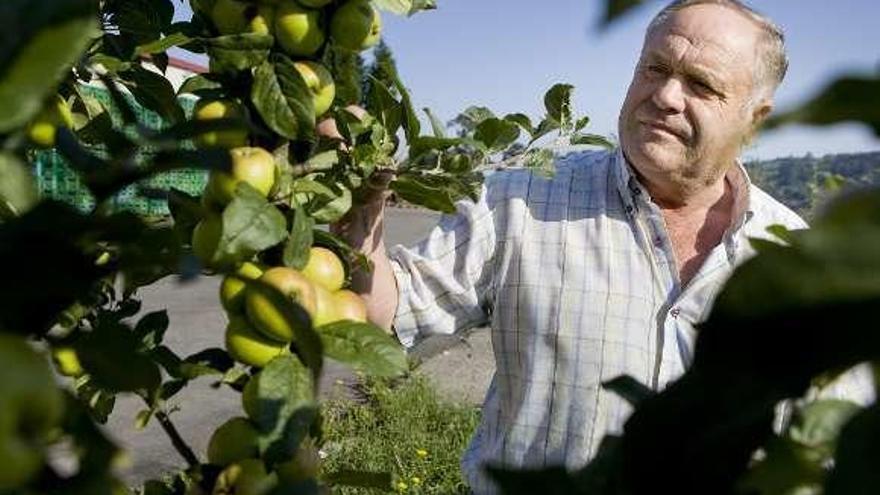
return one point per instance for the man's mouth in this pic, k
(660, 126)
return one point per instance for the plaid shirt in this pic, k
(576, 277)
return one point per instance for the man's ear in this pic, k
(761, 112)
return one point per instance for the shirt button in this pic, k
(658, 242)
(674, 312)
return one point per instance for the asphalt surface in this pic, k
(460, 366)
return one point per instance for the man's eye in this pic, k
(702, 86)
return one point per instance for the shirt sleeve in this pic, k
(445, 281)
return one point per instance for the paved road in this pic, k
(460, 366)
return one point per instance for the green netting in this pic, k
(57, 180)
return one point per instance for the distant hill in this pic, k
(799, 182)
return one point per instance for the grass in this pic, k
(404, 429)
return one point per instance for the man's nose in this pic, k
(669, 95)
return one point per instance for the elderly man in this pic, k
(604, 269)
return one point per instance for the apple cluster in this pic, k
(301, 28)
(257, 329)
(233, 446)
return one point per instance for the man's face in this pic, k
(687, 112)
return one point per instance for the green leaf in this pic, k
(422, 144)
(521, 120)
(99, 402)
(151, 328)
(475, 115)
(109, 354)
(312, 187)
(423, 191)
(296, 250)
(411, 125)
(186, 211)
(846, 99)
(405, 7)
(365, 347)
(818, 423)
(286, 407)
(211, 361)
(328, 210)
(143, 418)
(250, 225)
(787, 469)
(18, 191)
(545, 127)
(630, 389)
(140, 20)
(616, 8)
(43, 41)
(320, 162)
(497, 134)
(154, 92)
(780, 232)
(163, 44)
(591, 140)
(198, 83)
(389, 111)
(437, 127)
(238, 52)
(542, 161)
(33, 307)
(581, 123)
(557, 101)
(282, 98)
(855, 460)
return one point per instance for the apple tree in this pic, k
(283, 163)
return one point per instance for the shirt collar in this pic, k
(631, 190)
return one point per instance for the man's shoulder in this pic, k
(769, 211)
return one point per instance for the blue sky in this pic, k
(505, 53)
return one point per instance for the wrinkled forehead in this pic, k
(709, 30)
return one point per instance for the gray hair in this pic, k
(772, 60)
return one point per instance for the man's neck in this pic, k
(683, 198)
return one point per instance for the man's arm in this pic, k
(363, 228)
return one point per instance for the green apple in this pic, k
(236, 17)
(30, 407)
(262, 310)
(356, 25)
(324, 268)
(305, 464)
(233, 441)
(248, 346)
(324, 310)
(219, 109)
(246, 477)
(233, 285)
(255, 166)
(205, 238)
(66, 361)
(349, 306)
(298, 29)
(340, 305)
(42, 130)
(320, 84)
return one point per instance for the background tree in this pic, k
(347, 68)
(382, 69)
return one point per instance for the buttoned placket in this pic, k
(648, 222)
